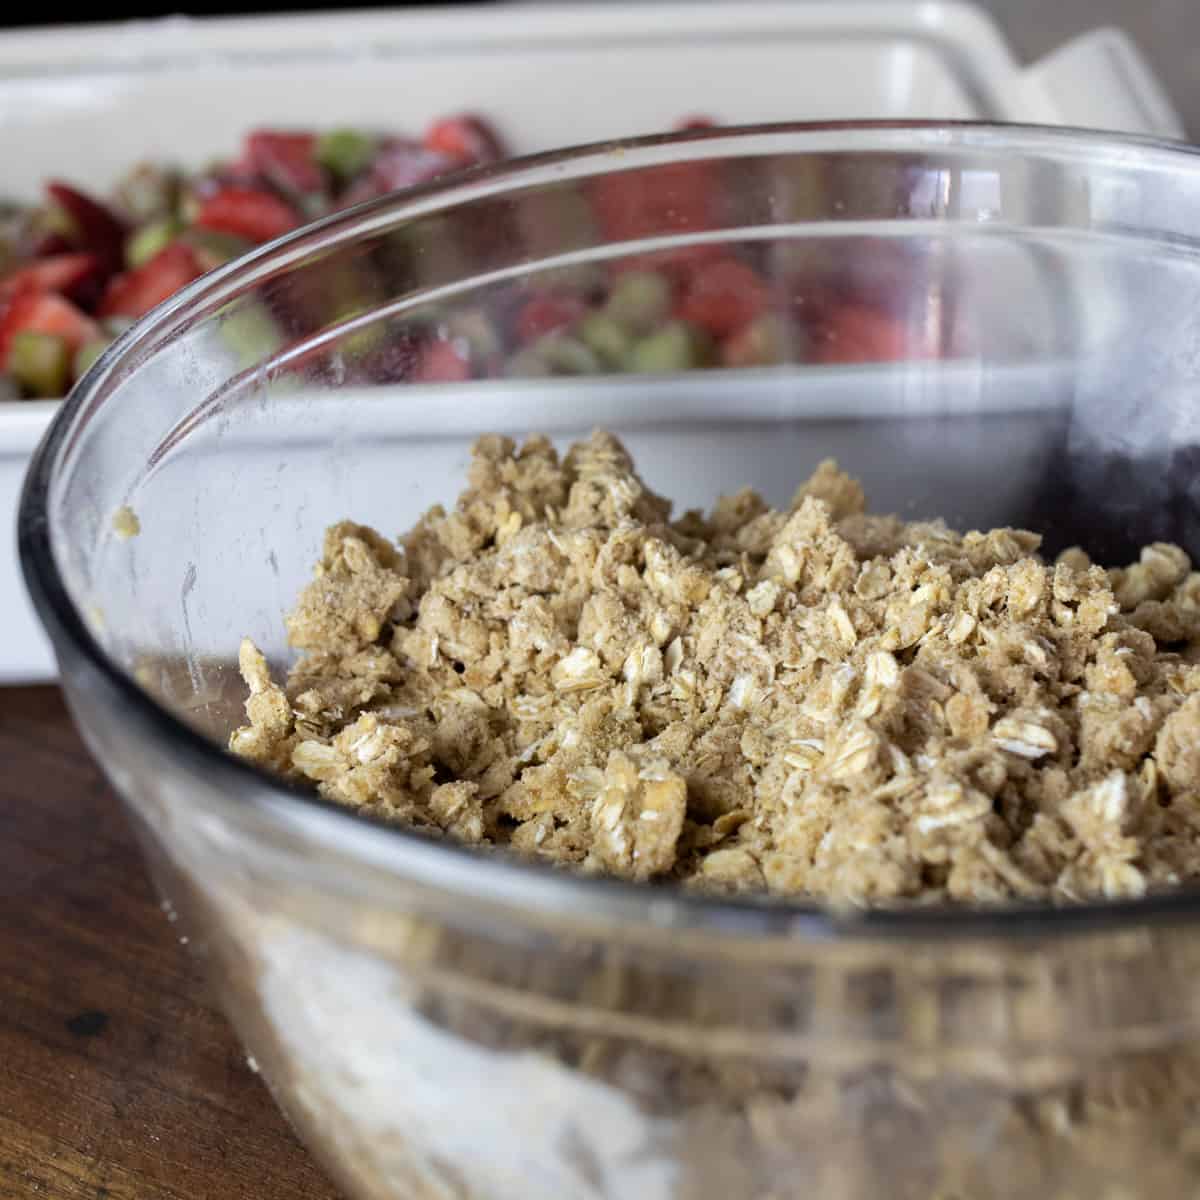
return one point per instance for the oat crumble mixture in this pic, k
(816, 702)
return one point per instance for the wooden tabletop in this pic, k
(118, 1081)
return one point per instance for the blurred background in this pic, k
(1167, 30)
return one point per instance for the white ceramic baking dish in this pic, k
(84, 103)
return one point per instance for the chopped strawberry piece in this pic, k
(99, 230)
(876, 274)
(723, 296)
(696, 121)
(137, 292)
(466, 138)
(674, 198)
(851, 333)
(441, 362)
(678, 264)
(288, 160)
(255, 215)
(29, 311)
(59, 273)
(545, 313)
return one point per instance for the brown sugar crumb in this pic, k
(819, 702)
(125, 523)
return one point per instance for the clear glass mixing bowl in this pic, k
(441, 1025)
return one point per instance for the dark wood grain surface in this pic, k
(118, 1080)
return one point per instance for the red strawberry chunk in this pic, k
(723, 296)
(255, 215)
(29, 311)
(58, 273)
(287, 159)
(678, 264)
(441, 362)
(852, 333)
(137, 292)
(467, 138)
(674, 198)
(546, 313)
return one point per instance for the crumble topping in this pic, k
(817, 702)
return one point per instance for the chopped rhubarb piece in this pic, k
(136, 292)
(346, 153)
(441, 362)
(285, 158)
(640, 300)
(696, 121)
(676, 346)
(148, 193)
(51, 244)
(546, 313)
(99, 230)
(40, 363)
(213, 249)
(247, 212)
(467, 138)
(86, 355)
(765, 341)
(44, 312)
(147, 240)
(723, 296)
(399, 164)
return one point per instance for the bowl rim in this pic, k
(450, 867)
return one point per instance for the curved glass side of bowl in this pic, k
(995, 326)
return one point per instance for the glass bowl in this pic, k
(437, 1024)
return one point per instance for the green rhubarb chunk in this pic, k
(213, 248)
(363, 340)
(147, 240)
(565, 355)
(479, 331)
(251, 333)
(608, 339)
(768, 340)
(187, 204)
(346, 152)
(55, 219)
(676, 346)
(115, 326)
(580, 279)
(148, 192)
(86, 355)
(40, 363)
(640, 300)
(528, 364)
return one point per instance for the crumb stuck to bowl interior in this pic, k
(125, 523)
